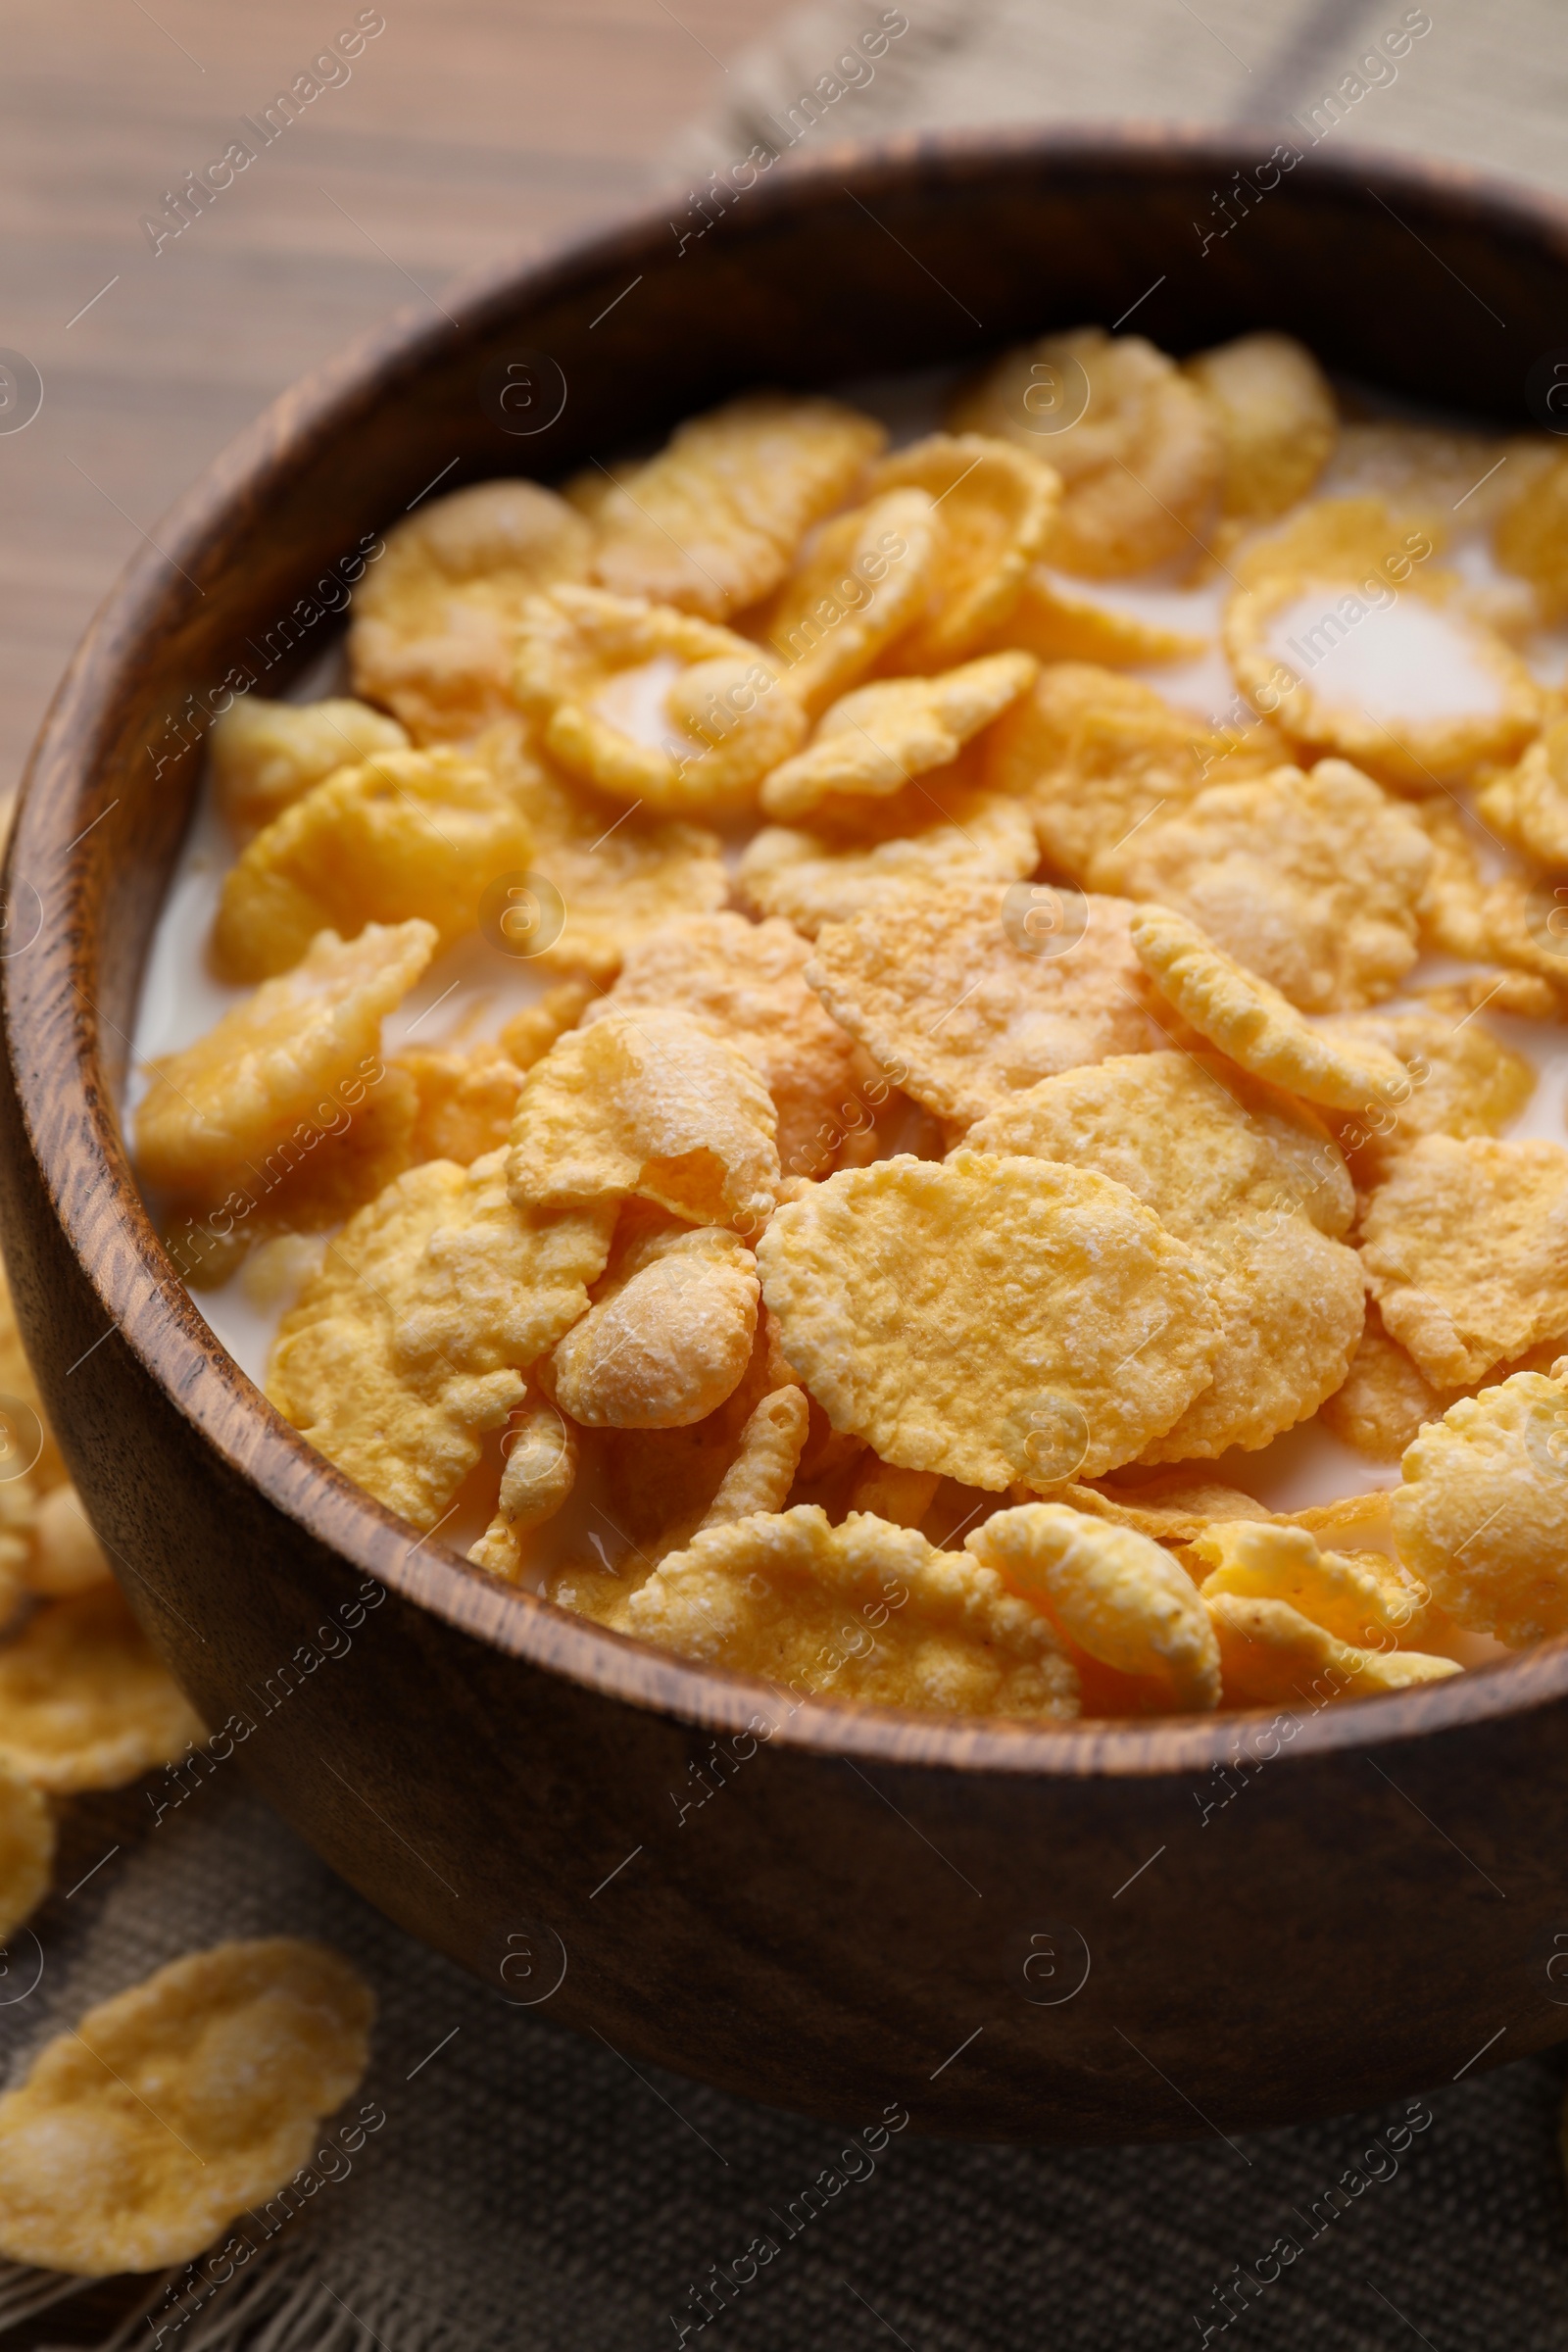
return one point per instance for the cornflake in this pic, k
(947, 986)
(712, 523)
(618, 874)
(1255, 1188)
(1334, 568)
(541, 1450)
(1277, 416)
(1310, 881)
(1386, 1401)
(413, 1338)
(179, 2105)
(1481, 1516)
(411, 835)
(666, 1340)
(65, 1555)
(988, 1318)
(747, 979)
(1271, 1655)
(1527, 805)
(1058, 621)
(1531, 536)
(1095, 756)
(1254, 1025)
(1462, 1081)
(653, 1102)
(244, 1086)
(84, 1701)
(861, 581)
(464, 1100)
(1465, 1247)
(651, 705)
(1111, 1591)
(995, 505)
(1365, 1601)
(435, 620)
(940, 831)
(863, 1612)
(1139, 449)
(26, 1849)
(875, 741)
(266, 755)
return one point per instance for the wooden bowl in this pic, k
(1109, 1933)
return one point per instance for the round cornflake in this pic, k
(988, 1318)
(947, 984)
(1278, 420)
(408, 835)
(650, 1102)
(1095, 755)
(1461, 1080)
(1271, 1655)
(1310, 881)
(1172, 1504)
(1115, 1593)
(435, 618)
(1139, 448)
(1354, 652)
(651, 705)
(666, 1340)
(1256, 1189)
(864, 1612)
(237, 1093)
(995, 507)
(1254, 1024)
(618, 875)
(874, 742)
(940, 830)
(748, 979)
(1368, 1602)
(177, 2105)
(1481, 1516)
(713, 521)
(1466, 1250)
(413, 1338)
(860, 583)
(265, 755)
(26, 1849)
(84, 1701)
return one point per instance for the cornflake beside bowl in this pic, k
(1102, 1018)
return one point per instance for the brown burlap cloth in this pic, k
(528, 2188)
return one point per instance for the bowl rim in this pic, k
(72, 1129)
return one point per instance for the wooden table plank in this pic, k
(464, 132)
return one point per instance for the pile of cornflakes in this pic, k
(977, 1100)
(190, 2100)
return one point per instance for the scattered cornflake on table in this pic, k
(178, 2106)
(85, 1703)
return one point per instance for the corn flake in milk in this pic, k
(895, 1152)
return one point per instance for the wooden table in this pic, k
(457, 135)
